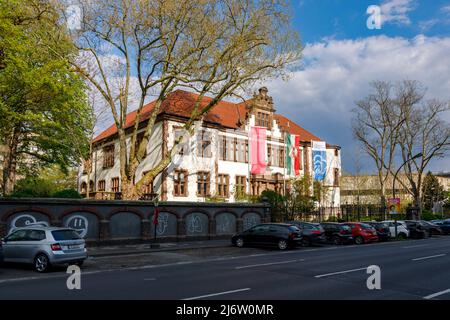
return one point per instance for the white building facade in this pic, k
(213, 164)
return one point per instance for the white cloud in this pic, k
(396, 11)
(446, 9)
(336, 73)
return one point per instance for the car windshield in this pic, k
(366, 226)
(294, 229)
(60, 235)
(345, 227)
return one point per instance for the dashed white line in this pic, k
(429, 257)
(416, 246)
(437, 294)
(217, 294)
(268, 264)
(339, 272)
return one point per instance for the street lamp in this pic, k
(393, 183)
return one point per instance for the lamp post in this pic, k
(155, 221)
(393, 183)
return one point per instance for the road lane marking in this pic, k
(268, 264)
(149, 279)
(339, 272)
(429, 257)
(434, 295)
(144, 267)
(216, 294)
(416, 246)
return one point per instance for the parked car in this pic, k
(402, 229)
(434, 228)
(337, 233)
(1, 254)
(44, 246)
(418, 229)
(312, 233)
(382, 228)
(444, 225)
(281, 235)
(362, 232)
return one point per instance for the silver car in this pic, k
(44, 246)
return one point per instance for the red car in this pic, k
(362, 232)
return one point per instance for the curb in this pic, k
(130, 253)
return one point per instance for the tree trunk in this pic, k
(10, 164)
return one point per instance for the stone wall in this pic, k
(105, 222)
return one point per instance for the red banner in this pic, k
(258, 150)
(297, 155)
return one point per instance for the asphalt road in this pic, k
(418, 269)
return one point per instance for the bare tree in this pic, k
(396, 123)
(424, 131)
(216, 47)
(377, 127)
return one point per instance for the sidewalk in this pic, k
(119, 250)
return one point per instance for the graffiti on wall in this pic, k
(225, 223)
(250, 220)
(163, 222)
(79, 223)
(194, 224)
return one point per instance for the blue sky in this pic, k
(344, 19)
(342, 56)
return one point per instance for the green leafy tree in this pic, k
(277, 203)
(432, 191)
(51, 182)
(41, 98)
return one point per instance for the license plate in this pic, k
(76, 246)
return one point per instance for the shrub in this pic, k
(67, 193)
(33, 188)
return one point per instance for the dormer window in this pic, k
(262, 119)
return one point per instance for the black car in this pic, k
(434, 228)
(445, 226)
(418, 229)
(383, 231)
(312, 233)
(281, 235)
(337, 233)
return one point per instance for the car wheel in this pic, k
(282, 244)
(359, 240)
(239, 242)
(41, 263)
(336, 240)
(306, 242)
(401, 236)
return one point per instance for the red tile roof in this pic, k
(293, 128)
(227, 114)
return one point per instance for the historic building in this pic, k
(214, 163)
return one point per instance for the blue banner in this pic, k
(319, 160)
